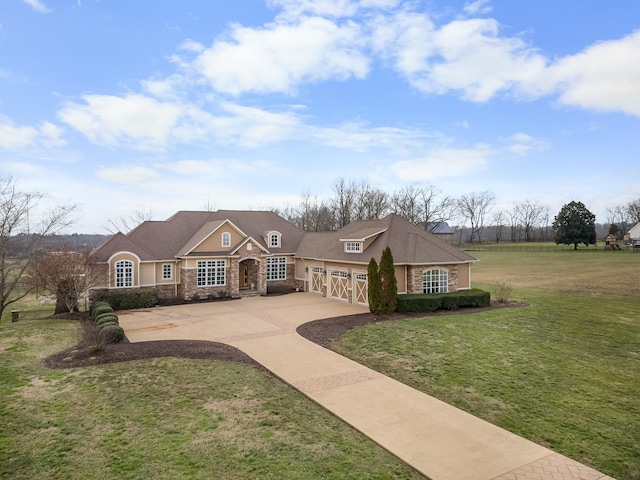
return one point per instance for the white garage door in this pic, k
(339, 285)
(360, 289)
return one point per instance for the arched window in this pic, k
(435, 280)
(124, 273)
(226, 239)
(274, 239)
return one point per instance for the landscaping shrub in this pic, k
(100, 309)
(105, 315)
(430, 302)
(111, 334)
(107, 319)
(96, 305)
(109, 323)
(130, 299)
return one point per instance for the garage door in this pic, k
(360, 289)
(339, 285)
(317, 279)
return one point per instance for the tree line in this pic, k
(472, 215)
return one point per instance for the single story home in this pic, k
(235, 253)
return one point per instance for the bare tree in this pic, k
(499, 220)
(619, 216)
(209, 206)
(127, 223)
(371, 203)
(17, 210)
(530, 215)
(633, 211)
(66, 274)
(435, 209)
(474, 207)
(343, 201)
(406, 202)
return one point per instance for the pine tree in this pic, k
(374, 287)
(389, 284)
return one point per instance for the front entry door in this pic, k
(244, 275)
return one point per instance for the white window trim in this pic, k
(277, 237)
(353, 247)
(123, 277)
(225, 239)
(441, 285)
(167, 267)
(211, 273)
(276, 268)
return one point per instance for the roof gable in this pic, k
(204, 239)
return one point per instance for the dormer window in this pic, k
(353, 247)
(274, 240)
(226, 239)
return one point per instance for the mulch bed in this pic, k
(322, 332)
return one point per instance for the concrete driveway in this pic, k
(438, 440)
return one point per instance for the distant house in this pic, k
(200, 254)
(442, 230)
(634, 235)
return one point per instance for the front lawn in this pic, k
(563, 372)
(164, 419)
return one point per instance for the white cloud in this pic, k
(14, 137)
(468, 56)
(37, 6)
(128, 174)
(477, 7)
(328, 8)
(604, 77)
(521, 144)
(136, 119)
(279, 57)
(443, 162)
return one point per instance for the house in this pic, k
(202, 254)
(634, 235)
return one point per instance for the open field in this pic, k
(563, 372)
(164, 419)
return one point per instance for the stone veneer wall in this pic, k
(189, 287)
(414, 277)
(289, 284)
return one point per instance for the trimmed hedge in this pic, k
(109, 323)
(430, 302)
(107, 319)
(111, 334)
(96, 305)
(130, 299)
(105, 314)
(100, 309)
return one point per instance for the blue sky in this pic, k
(164, 106)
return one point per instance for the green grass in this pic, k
(164, 419)
(563, 372)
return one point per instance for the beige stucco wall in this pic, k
(213, 243)
(464, 276)
(147, 274)
(124, 256)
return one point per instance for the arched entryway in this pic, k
(248, 275)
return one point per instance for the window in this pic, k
(274, 239)
(124, 273)
(166, 271)
(226, 239)
(353, 247)
(276, 268)
(212, 272)
(435, 281)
